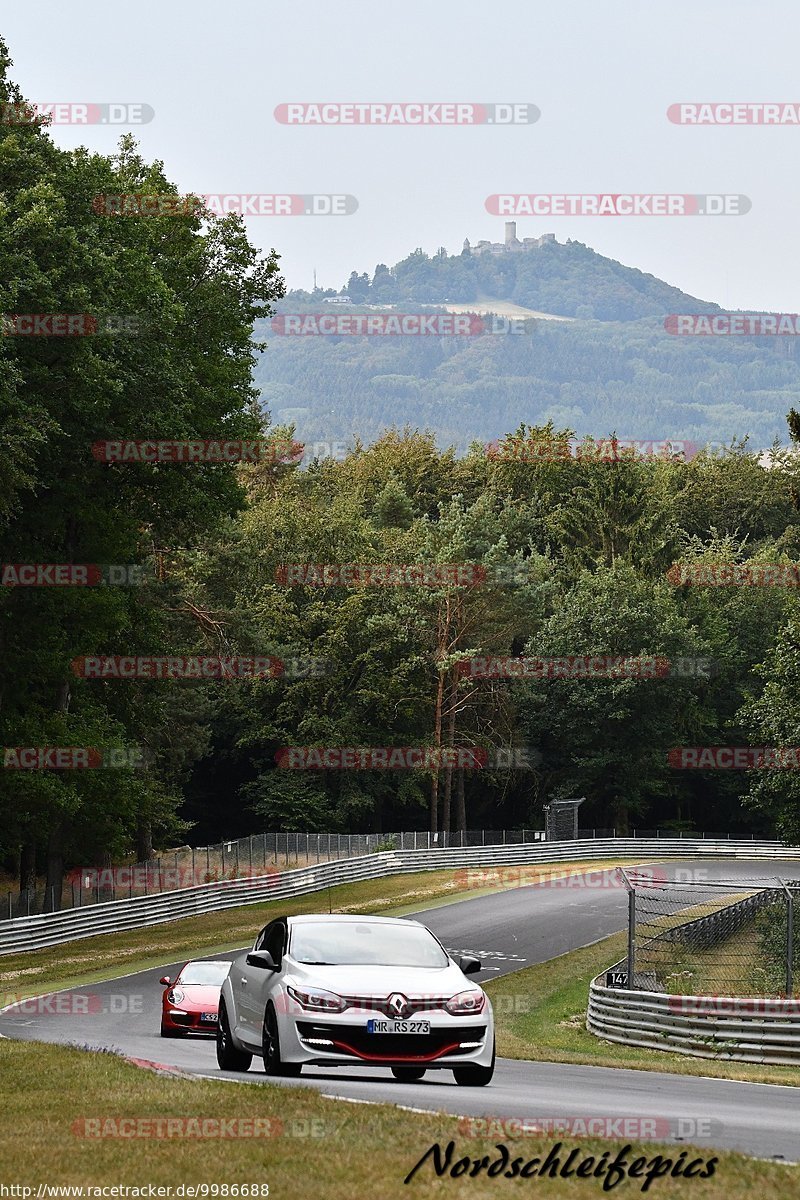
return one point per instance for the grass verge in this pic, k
(315, 1148)
(541, 1015)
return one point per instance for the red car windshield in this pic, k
(203, 974)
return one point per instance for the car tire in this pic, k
(228, 1056)
(167, 1032)
(473, 1075)
(408, 1074)
(271, 1048)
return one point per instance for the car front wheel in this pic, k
(271, 1048)
(408, 1074)
(473, 1075)
(228, 1057)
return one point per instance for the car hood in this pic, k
(204, 997)
(381, 981)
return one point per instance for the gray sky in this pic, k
(602, 76)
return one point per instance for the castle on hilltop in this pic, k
(511, 244)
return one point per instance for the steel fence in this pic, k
(108, 916)
(238, 858)
(188, 866)
(730, 1028)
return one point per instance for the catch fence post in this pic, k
(789, 939)
(631, 927)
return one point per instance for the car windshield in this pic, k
(366, 943)
(199, 974)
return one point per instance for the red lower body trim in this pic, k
(410, 1058)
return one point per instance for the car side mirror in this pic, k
(262, 959)
(469, 965)
(165, 979)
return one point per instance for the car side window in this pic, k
(258, 944)
(275, 942)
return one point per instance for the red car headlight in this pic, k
(317, 999)
(466, 1003)
(175, 996)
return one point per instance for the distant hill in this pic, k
(613, 367)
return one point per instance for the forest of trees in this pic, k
(574, 557)
(613, 364)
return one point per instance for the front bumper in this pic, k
(344, 1040)
(181, 1021)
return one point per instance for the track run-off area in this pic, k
(508, 930)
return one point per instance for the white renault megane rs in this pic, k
(350, 990)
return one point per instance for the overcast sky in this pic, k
(603, 77)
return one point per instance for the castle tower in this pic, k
(511, 232)
(466, 244)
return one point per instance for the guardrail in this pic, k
(735, 1028)
(721, 1027)
(50, 929)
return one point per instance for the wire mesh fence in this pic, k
(700, 937)
(188, 866)
(258, 854)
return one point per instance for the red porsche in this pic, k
(191, 1000)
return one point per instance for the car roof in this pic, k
(206, 962)
(348, 918)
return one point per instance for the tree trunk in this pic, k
(437, 735)
(448, 771)
(54, 882)
(144, 841)
(27, 878)
(461, 811)
(106, 889)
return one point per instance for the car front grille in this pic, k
(414, 1004)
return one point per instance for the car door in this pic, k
(254, 984)
(245, 981)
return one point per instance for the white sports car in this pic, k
(349, 990)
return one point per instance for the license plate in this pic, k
(211, 1017)
(398, 1026)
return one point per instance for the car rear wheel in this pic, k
(473, 1075)
(228, 1057)
(408, 1074)
(271, 1048)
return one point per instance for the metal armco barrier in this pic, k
(51, 929)
(720, 1027)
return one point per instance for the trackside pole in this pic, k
(631, 926)
(789, 938)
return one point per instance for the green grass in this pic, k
(318, 1149)
(541, 1014)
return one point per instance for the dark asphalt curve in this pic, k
(507, 930)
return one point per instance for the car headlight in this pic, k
(466, 1003)
(317, 999)
(175, 996)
